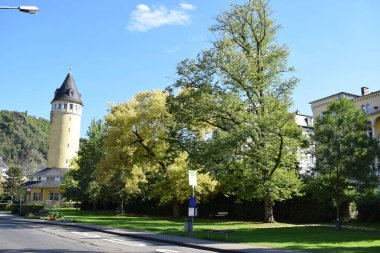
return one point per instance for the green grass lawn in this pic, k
(311, 238)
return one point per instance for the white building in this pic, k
(305, 157)
(3, 169)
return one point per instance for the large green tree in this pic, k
(344, 152)
(232, 103)
(13, 182)
(140, 146)
(80, 182)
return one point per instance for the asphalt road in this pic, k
(29, 237)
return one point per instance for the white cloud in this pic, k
(187, 6)
(145, 17)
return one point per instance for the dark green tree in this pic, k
(13, 182)
(344, 152)
(80, 183)
(233, 103)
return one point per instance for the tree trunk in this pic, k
(268, 205)
(94, 205)
(337, 211)
(122, 207)
(176, 213)
(338, 222)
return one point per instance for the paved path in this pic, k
(215, 246)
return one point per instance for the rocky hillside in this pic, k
(23, 140)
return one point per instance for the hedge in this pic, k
(4, 206)
(27, 208)
(369, 208)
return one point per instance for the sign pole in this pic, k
(192, 217)
(192, 200)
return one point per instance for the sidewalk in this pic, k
(176, 240)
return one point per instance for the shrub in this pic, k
(27, 208)
(369, 208)
(3, 206)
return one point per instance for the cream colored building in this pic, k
(65, 121)
(369, 102)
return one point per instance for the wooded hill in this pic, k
(23, 140)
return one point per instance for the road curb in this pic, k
(131, 234)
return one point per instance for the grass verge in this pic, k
(312, 238)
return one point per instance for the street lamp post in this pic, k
(26, 9)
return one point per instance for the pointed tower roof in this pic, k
(68, 91)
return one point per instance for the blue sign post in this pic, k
(193, 202)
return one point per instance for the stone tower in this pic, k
(65, 120)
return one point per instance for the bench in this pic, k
(221, 231)
(221, 214)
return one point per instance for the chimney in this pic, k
(365, 91)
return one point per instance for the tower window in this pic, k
(71, 106)
(76, 107)
(69, 130)
(68, 145)
(59, 106)
(65, 106)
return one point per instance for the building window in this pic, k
(31, 179)
(59, 106)
(68, 145)
(368, 109)
(62, 178)
(38, 178)
(36, 196)
(69, 130)
(67, 161)
(50, 179)
(71, 106)
(65, 106)
(76, 107)
(54, 196)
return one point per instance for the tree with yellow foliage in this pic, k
(140, 148)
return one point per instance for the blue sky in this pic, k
(117, 48)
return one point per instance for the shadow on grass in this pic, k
(315, 239)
